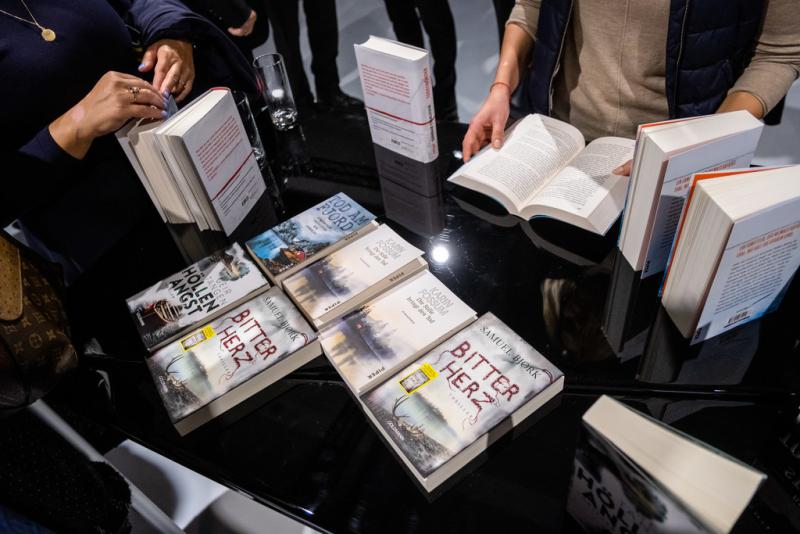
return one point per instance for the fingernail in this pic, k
(166, 93)
(617, 170)
(141, 66)
(164, 114)
(496, 143)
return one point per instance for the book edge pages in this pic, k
(687, 439)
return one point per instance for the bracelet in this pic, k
(510, 90)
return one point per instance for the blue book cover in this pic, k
(298, 239)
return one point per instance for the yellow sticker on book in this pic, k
(418, 378)
(196, 338)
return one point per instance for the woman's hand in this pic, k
(173, 65)
(114, 99)
(489, 122)
(245, 29)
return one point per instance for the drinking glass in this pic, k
(274, 86)
(243, 106)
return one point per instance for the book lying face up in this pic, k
(224, 362)
(349, 277)
(377, 340)
(309, 236)
(196, 294)
(444, 409)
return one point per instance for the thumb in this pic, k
(498, 135)
(148, 60)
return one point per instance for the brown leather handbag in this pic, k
(35, 347)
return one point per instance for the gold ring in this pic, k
(134, 91)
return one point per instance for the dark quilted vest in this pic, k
(709, 44)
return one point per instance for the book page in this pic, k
(583, 184)
(535, 149)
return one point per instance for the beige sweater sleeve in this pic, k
(776, 62)
(525, 14)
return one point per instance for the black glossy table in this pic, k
(303, 446)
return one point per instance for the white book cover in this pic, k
(194, 294)
(224, 160)
(733, 152)
(759, 261)
(459, 391)
(376, 340)
(398, 96)
(325, 285)
(213, 360)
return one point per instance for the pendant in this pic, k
(48, 34)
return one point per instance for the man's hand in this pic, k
(173, 65)
(245, 29)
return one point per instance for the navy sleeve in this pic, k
(31, 174)
(161, 19)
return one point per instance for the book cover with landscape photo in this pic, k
(376, 340)
(298, 239)
(332, 281)
(216, 358)
(457, 392)
(200, 291)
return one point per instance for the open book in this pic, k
(546, 169)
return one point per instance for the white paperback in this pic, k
(398, 96)
(353, 274)
(198, 166)
(198, 293)
(546, 169)
(392, 330)
(737, 249)
(232, 358)
(449, 405)
(667, 155)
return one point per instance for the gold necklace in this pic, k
(47, 34)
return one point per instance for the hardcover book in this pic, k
(197, 293)
(379, 339)
(310, 235)
(546, 169)
(736, 251)
(222, 363)
(398, 96)
(444, 409)
(633, 473)
(352, 275)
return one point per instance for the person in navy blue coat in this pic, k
(73, 72)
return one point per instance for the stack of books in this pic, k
(197, 166)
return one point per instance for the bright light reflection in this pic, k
(440, 254)
(277, 94)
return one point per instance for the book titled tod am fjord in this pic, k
(309, 236)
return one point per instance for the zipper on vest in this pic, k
(678, 61)
(558, 60)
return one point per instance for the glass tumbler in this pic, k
(274, 86)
